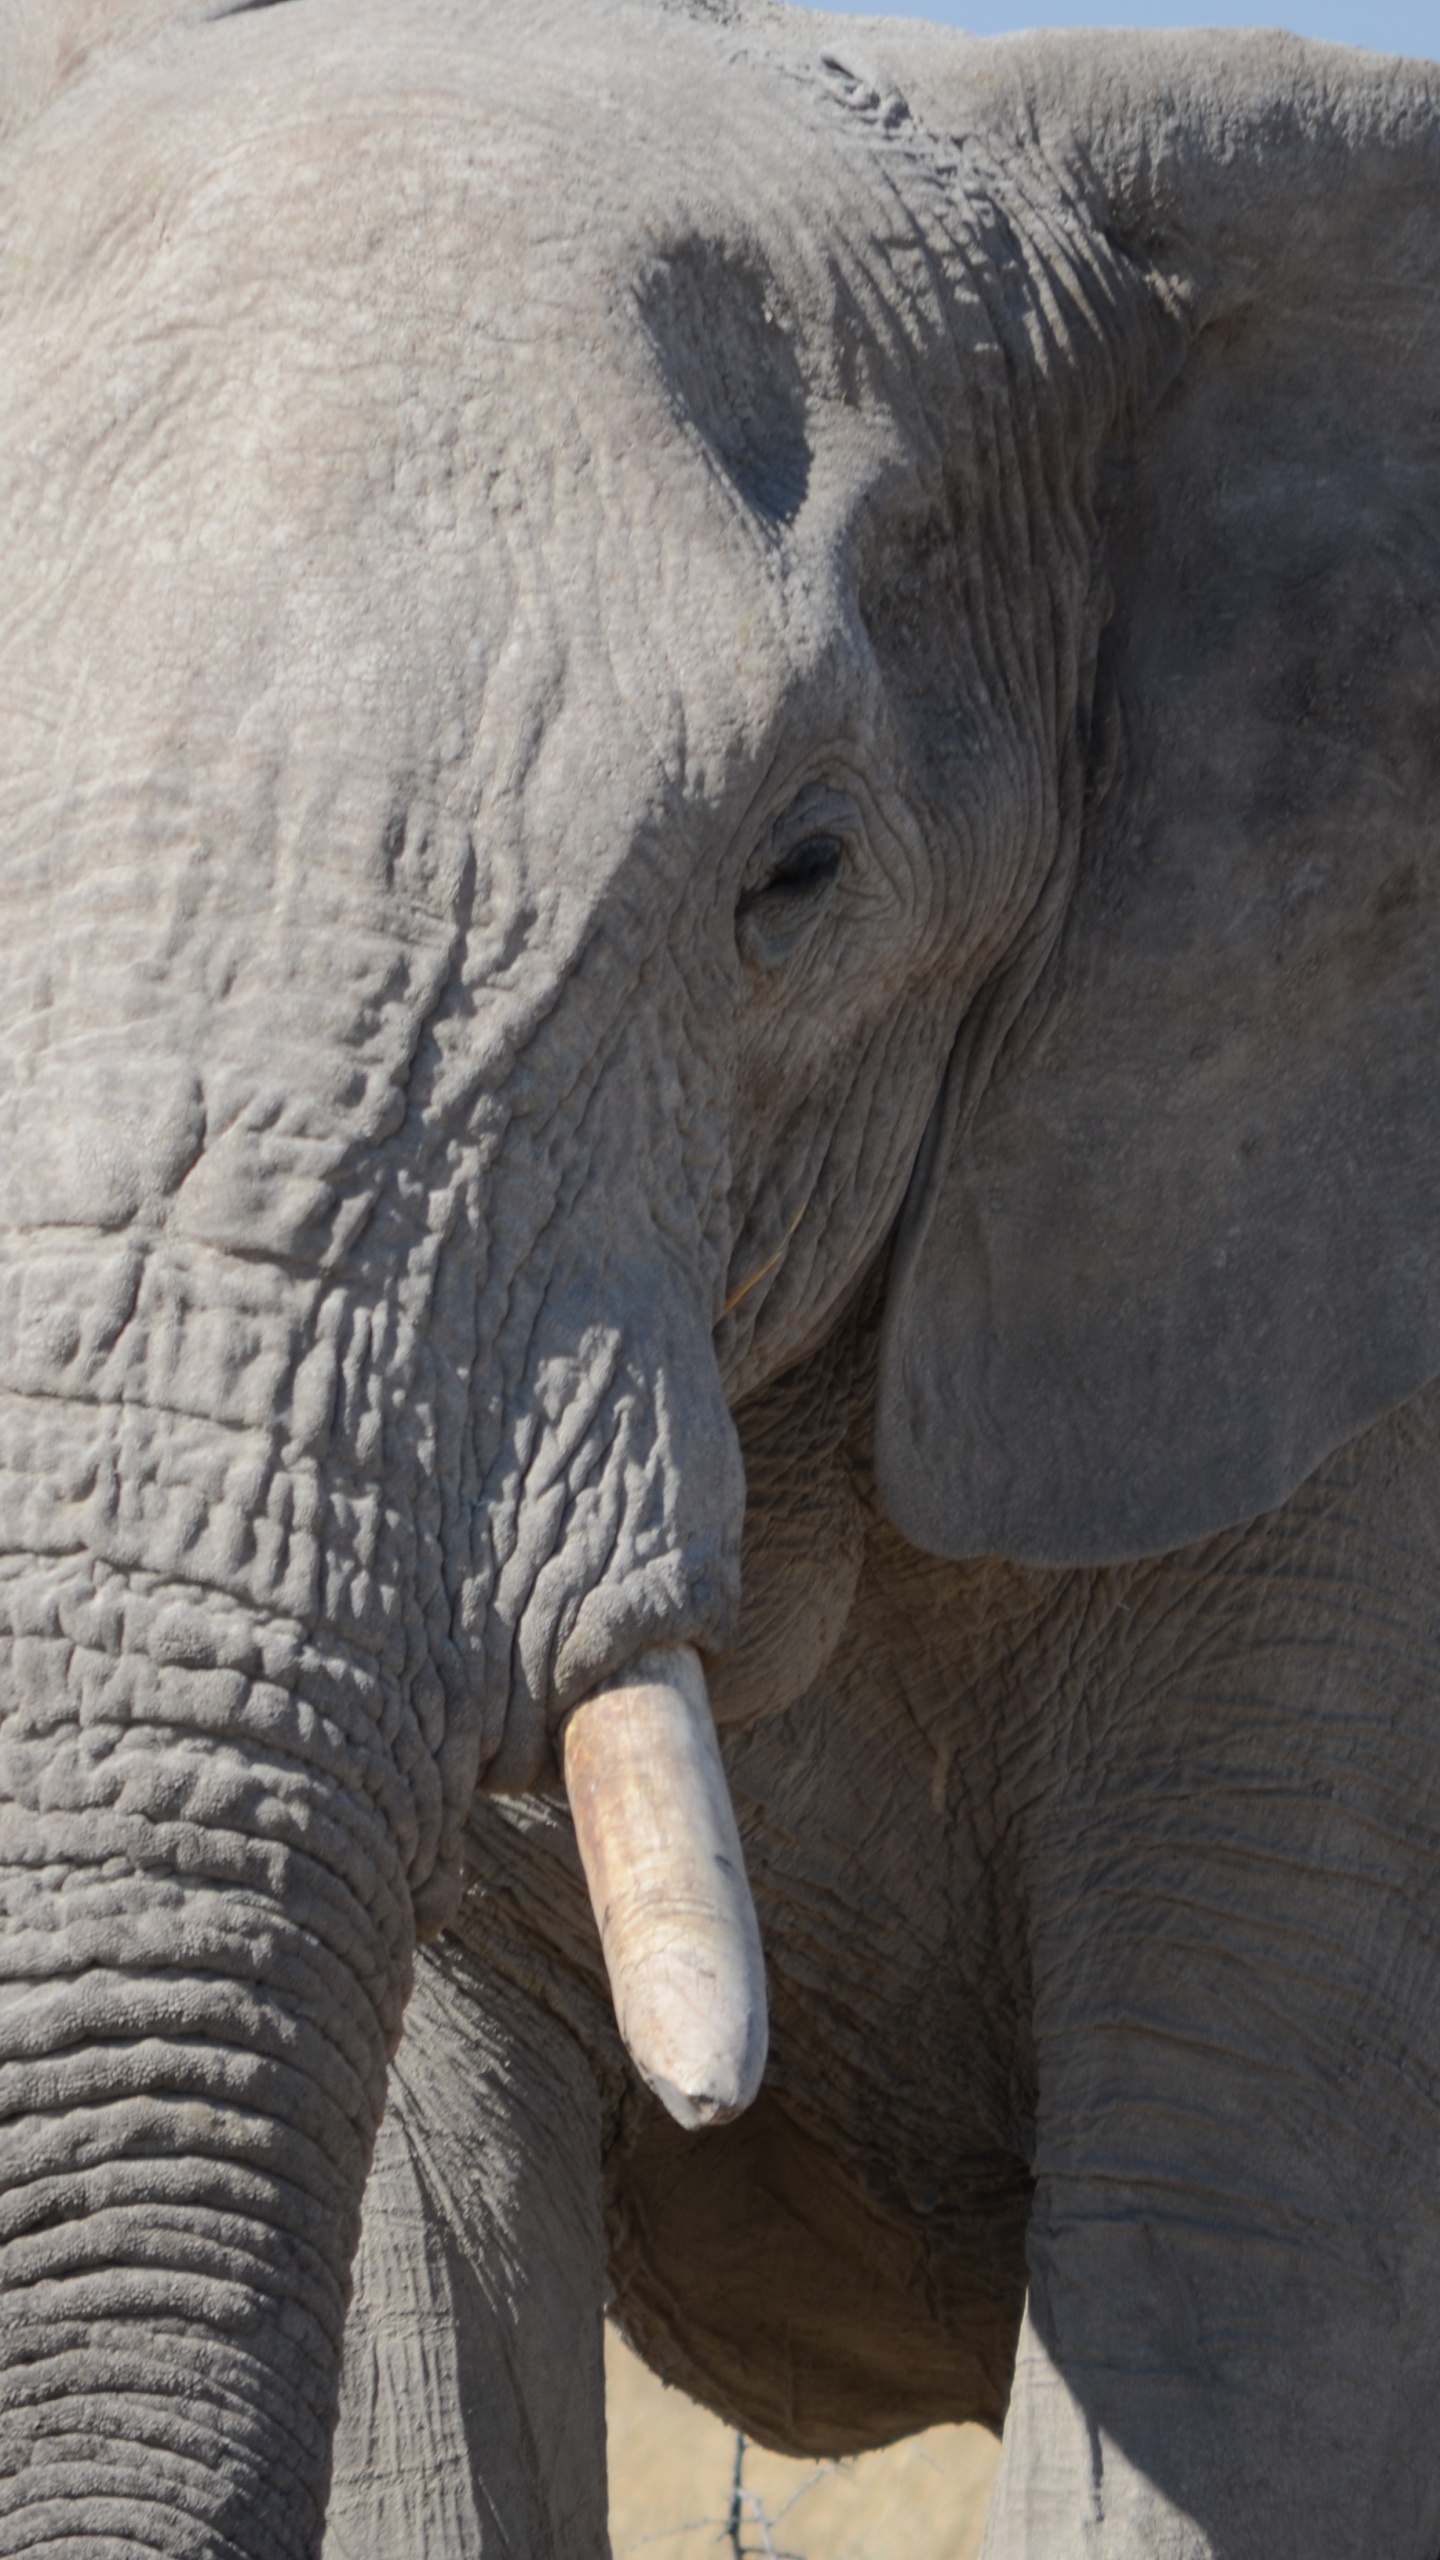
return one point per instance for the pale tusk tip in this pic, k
(697, 2114)
(666, 1873)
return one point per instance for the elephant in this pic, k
(719, 804)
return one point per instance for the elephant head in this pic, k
(632, 652)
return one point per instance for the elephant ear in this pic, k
(1187, 1239)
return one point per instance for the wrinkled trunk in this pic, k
(207, 1934)
(248, 1655)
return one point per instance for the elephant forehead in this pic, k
(446, 269)
(451, 426)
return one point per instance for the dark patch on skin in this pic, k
(733, 369)
(878, 2336)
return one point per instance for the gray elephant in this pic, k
(719, 797)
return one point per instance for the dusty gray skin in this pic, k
(705, 712)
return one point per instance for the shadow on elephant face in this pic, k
(733, 370)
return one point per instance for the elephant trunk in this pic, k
(205, 1936)
(663, 1862)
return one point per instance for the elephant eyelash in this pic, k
(774, 913)
(809, 868)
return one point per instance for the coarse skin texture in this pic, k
(718, 804)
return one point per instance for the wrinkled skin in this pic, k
(717, 785)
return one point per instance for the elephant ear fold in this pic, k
(1187, 1239)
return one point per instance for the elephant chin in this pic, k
(666, 1873)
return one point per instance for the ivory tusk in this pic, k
(663, 1862)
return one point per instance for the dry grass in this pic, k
(674, 2493)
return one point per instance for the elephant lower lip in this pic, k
(666, 1873)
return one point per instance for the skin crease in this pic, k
(528, 770)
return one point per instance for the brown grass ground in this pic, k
(672, 2469)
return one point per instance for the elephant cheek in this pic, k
(205, 1935)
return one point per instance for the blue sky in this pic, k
(1394, 26)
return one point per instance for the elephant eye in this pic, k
(808, 866)
(773, 911)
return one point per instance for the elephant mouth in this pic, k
(663, 1862)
